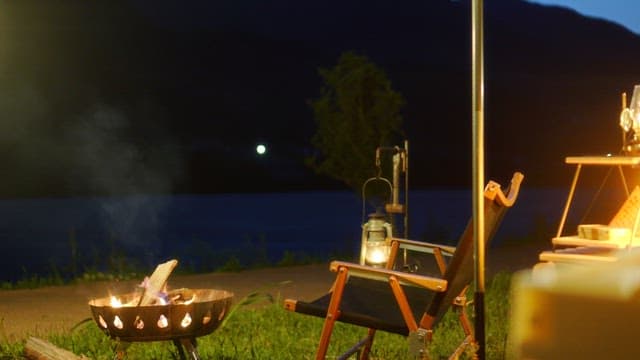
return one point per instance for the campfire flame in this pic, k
(162, 298)
(115, 302)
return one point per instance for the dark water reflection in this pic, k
(204, 232)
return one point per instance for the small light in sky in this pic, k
(261, 149)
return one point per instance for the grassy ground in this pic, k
(270, 332)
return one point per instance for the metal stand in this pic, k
(186, 347)
(400, 169)
(190, 346)
(376, 232)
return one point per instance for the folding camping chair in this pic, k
(391, 300)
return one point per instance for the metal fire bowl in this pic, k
(162, 322)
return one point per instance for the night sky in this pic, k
(112, 97)
(622, 12)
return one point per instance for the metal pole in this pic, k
(477, 74)
(406, 189)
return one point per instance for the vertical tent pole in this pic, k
(477, 81)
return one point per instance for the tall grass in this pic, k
(270, 332)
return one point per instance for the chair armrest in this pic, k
(493, 192)
(380, 274)
(422, 246)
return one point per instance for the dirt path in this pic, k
(40, 311)
(58, 308)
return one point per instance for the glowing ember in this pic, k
(186, 321)
(160, 298)
(117, 322)
(163, 322)
(193, 298)
(187, 302)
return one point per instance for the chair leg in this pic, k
(464, 320)
(366, 349)
(332, 314)
(469, 340)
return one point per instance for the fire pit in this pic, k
(199, 315)
(179, 315)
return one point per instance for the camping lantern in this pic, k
(630, 122)
(375, 245)
(382, 194)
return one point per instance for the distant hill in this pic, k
(127, 96)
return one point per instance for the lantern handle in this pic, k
(364, 187)
(378, 166)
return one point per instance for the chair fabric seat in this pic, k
(370, 303)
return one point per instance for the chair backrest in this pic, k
(459, 272)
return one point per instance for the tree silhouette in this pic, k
(356, 112)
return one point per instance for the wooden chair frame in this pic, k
(449, 289)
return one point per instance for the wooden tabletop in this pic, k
(603, 160)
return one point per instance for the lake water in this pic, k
(204, 231)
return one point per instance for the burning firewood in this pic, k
(156, 284)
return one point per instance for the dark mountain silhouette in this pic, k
(110, 97)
